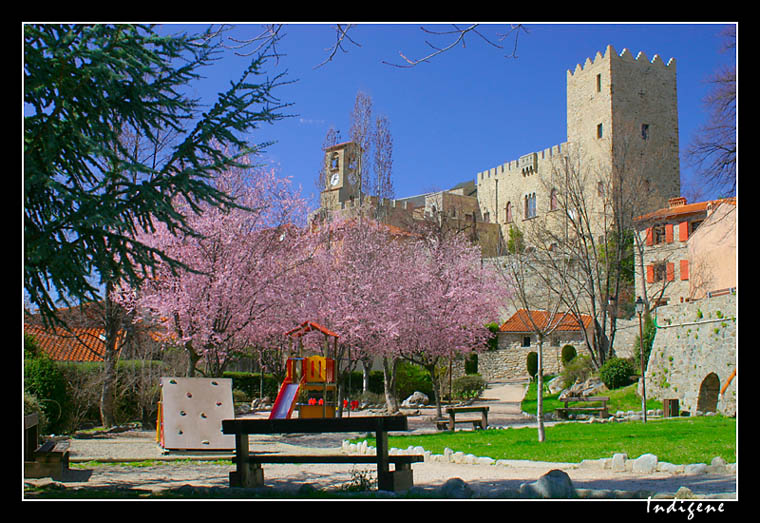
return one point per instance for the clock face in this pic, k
(334, 179)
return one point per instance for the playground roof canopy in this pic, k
(309, 326)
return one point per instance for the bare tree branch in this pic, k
(459, 37)
(341, 36)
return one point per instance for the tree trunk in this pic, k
(111, 328)
(540, 392)
(389, 382)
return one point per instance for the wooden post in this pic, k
(384, 479)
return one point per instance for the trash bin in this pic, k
(670, 408)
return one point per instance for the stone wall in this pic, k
(694, 355)
(509, 361)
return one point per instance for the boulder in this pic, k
(618, 462)
(456, 488)
(555, 484)
(415, 400)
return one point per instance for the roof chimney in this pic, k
(676, 202)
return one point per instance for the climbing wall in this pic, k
(192, 413)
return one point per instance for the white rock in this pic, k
(695, 468)
(645, 464)
(618, 462)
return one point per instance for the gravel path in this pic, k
(484, 480)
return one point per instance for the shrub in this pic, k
(532, 364)
(44, 380)
(411, 378)
(568, 354)
(616, 373)
(580, 368)
(468, 386)
(471, 363)
(250, 384)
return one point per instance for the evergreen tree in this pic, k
(86, 193)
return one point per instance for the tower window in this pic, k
(599, 83)
(644, 131)
(599, 131)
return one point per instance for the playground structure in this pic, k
(316, 375)
(191, 411)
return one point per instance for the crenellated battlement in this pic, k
(624, 56)
(526, 164)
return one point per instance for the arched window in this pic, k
(553, 200)
(508, 212)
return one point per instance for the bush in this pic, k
(471, 363)
(580, 368)
(250, 384)
(532, 364)
(44, 380)
(411, 378)
(568, 354)
(616, 373)
(469, 386)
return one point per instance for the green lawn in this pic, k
(674, 440)
(624, 399)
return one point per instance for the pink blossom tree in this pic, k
(450, 296)
(235, 291)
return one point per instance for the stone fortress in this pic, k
(622, 121)
(617, 106)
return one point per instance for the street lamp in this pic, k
(640, 311)
(611, 311)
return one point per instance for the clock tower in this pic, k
(341, 162)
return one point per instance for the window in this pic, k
(530, 205)
(508, 212)
(644, 131)
(599, 83)
(660, 271)
(600, 189)
(526, 341)
(334, 161)
(658, 234)
(553, 204)
(599, 131)
(487, 217)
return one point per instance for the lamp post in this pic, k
(640, 311)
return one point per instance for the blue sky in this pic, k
(467, 110)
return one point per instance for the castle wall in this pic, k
(695, 343)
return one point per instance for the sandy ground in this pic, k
(485, 480)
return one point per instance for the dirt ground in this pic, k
(485, 480)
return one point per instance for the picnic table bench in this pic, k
(564, 411)
(248, 471)
(450, 422)
(49, 459)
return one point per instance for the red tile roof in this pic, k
(79, 344)
(564, 322)
(679, 207)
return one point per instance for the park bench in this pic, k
(248, 471)
(450, 422)
(602, 410)
(49, 459)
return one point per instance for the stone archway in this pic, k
(708, 393)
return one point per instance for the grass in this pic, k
(624, 398)
(674, 440)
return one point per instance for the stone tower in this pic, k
(623, 112)
(340, 176)
(622, 118)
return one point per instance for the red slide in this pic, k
(286, 400)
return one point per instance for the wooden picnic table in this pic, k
(564, 411)
(450, 423)
(248, 472)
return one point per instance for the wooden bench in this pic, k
(450, 422)
(49, 459)
(564, 411)
(248, 472)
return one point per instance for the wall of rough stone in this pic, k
(693, 341)
(509, 361)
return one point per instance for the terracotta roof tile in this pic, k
(682, 209)
(521, 321)
(79, 344)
